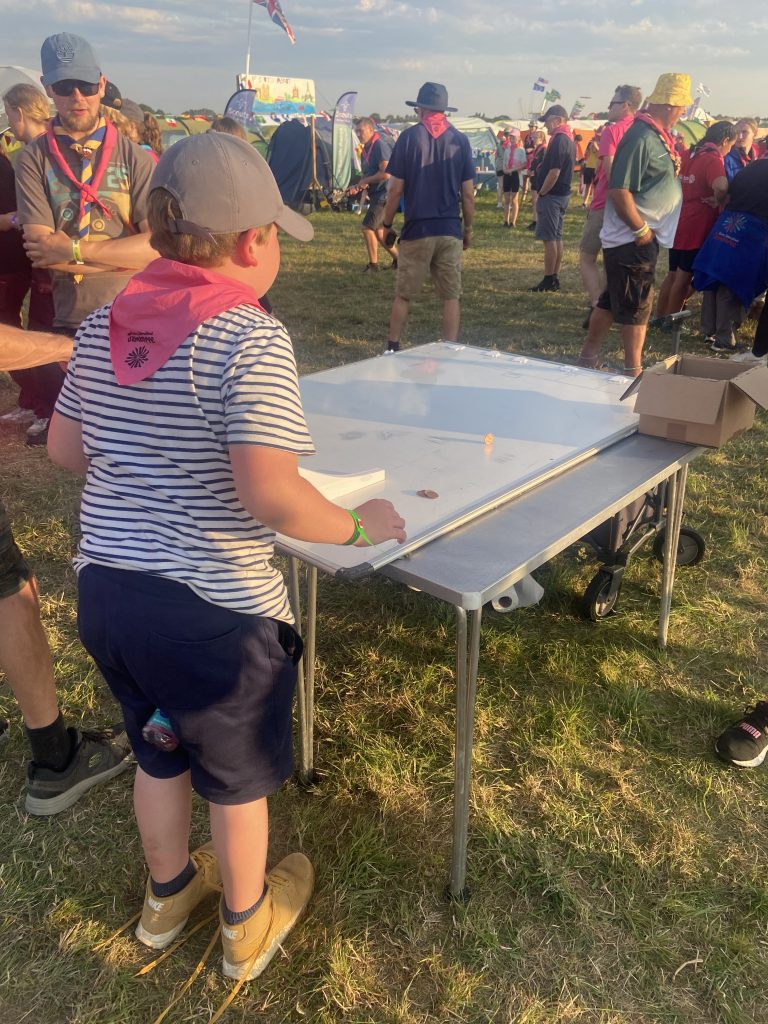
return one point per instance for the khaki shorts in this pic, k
(440, 255)
(590, 237)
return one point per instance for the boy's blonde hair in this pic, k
(199, 252)
(30, 101)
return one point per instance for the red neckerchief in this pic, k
(369, 146)
(89, 192)
(160, 307)
(664, 135)
(562, 129)
(436, 123)
(744, 158)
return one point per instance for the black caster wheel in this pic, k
(598, 601)
(690, 546)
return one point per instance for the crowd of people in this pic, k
(180, 408)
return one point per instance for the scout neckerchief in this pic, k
(666, 138)
(160, 307)
(436, 123)
(96, 149)
(743, 157)
(562, 129)
(369, 146)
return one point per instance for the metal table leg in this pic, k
(305, 687)
(467, 658)
(675, 499)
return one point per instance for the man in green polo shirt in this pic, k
(641, 214)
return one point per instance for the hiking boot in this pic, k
(97, 757)
(163, 917)
(745, 743)
(249, 946)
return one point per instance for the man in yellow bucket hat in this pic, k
(641, 214)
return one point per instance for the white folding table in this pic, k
(476, 562)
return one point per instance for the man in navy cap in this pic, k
(432, 166)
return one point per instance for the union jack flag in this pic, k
(275, 11)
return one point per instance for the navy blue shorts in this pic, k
(225, 680)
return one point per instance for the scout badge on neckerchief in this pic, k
(158, 310)
(664, 135)
(95, 152)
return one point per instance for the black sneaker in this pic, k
(546, 285)
(745, 743)
(371, 268)
(723, 346)
(98, 756)
(531, 226)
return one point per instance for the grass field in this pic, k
(618, 871)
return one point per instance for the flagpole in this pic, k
(248, 51)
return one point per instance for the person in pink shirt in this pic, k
(621, 113)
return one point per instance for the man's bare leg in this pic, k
(26, 658)
(590, 276)
(550, 258)
(558, 257)
(397, 320)
(392, 250)
(371, 244)
(599, 325)
(633, 336)
(451, 317)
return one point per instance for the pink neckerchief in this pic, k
(369, 145)
(436, 123)
(88, 193)
(663, 134)
(562, 129)
(160, 307)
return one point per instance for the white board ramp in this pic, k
(339, 485)
(470, 427)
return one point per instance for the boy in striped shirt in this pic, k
(181, 407)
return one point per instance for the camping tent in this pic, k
(290, 157)
(12, 74)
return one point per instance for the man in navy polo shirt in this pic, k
(374, 159)
(555, 175)
(432, 167)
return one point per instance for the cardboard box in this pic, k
(698, 400)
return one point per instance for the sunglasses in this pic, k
(67, 87)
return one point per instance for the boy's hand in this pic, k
(381, 521)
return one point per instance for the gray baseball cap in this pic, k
(222, 186)
(67, 56)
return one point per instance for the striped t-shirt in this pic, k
(159, 496)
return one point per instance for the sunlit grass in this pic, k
(618, 872)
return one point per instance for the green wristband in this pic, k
(359, 531)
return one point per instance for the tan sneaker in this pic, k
(163, 917)
(249, 947)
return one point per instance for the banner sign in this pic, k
(343, 143)
(292, 96)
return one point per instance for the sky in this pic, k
(180, 54)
